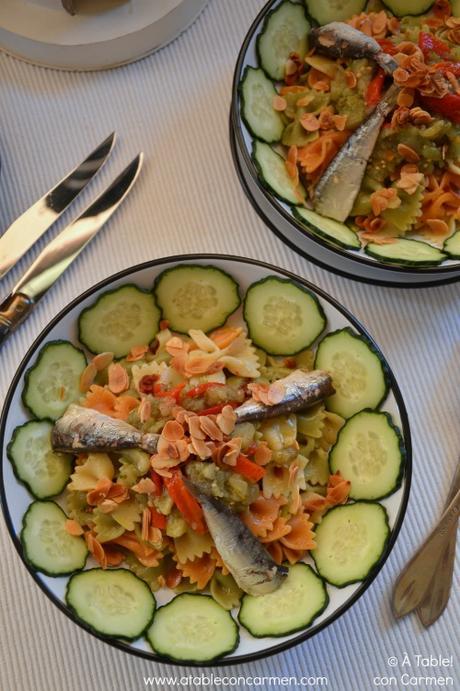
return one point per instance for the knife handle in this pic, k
(13, 311)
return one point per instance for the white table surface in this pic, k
(174, 106)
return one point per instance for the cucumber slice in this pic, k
(43, 471)
(119, 320)
(369, 452)
(297, 602)
(403, 8)
(193, 628)
(271, 168)
(48, 547)
(53, 383)
(334, 10)
(196, 297)
(406, 253)
(350, 542)
(257, 111)
(285, 31)
(452, 244)
(357, 372)
(328, 229)
(112, 603)
(282, 317)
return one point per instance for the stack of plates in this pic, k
(279, 217)
(42, 32)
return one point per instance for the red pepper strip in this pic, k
(387, 46)
(158, 520)
(449, 106)
(201, 388)
(444, 67)
(428, 42)
(216, 409)
(375, 88)
(168, 393)
(185, 501)
(251, 471)
(157, 481)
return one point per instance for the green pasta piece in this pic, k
(106, 528)
(225, 591)
(404, 216)
(77, 507)
(149, 574)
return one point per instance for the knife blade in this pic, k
(25, 230)
(61, 251)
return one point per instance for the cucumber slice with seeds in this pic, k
(293, 606)
(327, 228)
(350, 542)
(196, 297)
(452, 246)
(257, 93)
(193, 628)
(271, 168)
(48, 547)
(334, 10)
(406, 253)
(357, 372)
(53, 383)
(403, 8)
(43, 471)
(285, 31)
(282, 317)
(369, 452)
(119, 320)
(112, 602)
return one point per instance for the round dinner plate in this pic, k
(16, 499)
(42, 32)
(279, 216)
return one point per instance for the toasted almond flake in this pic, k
(340, 121)
(137, 353)
(118, 378)
(310, 122)
(87, 377)
(304, 101)
(408, 153)
(144, 486)
(279, 103)
(108, 505)
(226, 420)
(172, 431)
(102, 360)
(145, 410)
(146, 520)
(73, 527)
(210, 428)
(405, 98)
(262, 454)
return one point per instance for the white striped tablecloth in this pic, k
(174, 106)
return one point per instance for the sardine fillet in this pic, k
(84, 430)
(303, 389)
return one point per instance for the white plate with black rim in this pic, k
(16, 499)
(279, 216)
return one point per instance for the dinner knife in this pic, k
(25, 230)
(61, 251)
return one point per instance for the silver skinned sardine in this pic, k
(83, 429)
(302, 390)
(340, 40)
(248, 561)
(340, 183)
